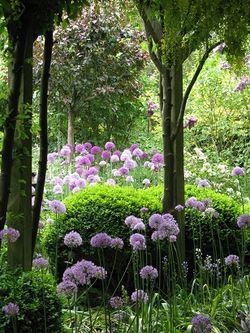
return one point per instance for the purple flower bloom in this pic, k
(137, 241)
(179, 208)
(139, 296)
(9, 234)
(95, 150)
(65, 151)
(131, 221)
(201, 324)
(57, 206)
(57, 189)
(40, 262)
(243, 221)
(148, 272)
(244, 81)
(133, 147)
(211, 211)
(116, 302)
(144, 210)
(158, 235)
(232, 260)
(146, 182)
(11, 309)
(82, 160)
(117, 152)
(109, 145)
(130, 164)
(79, 148)
(72, 239)
(238, 171)
(155, 221)
(106, 155)
(83, 271)
(225, 65)
(111, 182)
(203, 183)
(139, 226)
(114, 158)
(137, 152)
(87, 146)
(117, 243)
(190, 122)
(52, 157)
(67, 288)
(157, 158)
(101, 240)
(124, 171)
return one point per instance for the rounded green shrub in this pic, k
(35, 294)
(103, 208)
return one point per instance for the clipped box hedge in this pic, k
(103, 208)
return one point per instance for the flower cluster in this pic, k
(11, 309)
(72, 239)
(79, 274)
(165, 227)
(138, 242)
(134, 223)
(9, 234)
(243, 221)
(148, 272)
(57, 207)
(40, 262)
(139, 296)
(201, 324)
(232, 260)
(116, 302)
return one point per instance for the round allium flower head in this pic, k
(148, 272)
(9, 234)
(40, 262)
(117, 243)
(87, 146)
(155, 221)
(109, 145)
(201, 324)
(124, 171)
(57, 189)
(111, 182)
(67, 288)
(133, 147)
(243, 221)
(144, 210)
(116, 302)
(11, 309)
(57, 206)
(101, 240)
(72, 239)
(190, 122)
(106, 155)
(179, 208)
(79, 148)
(203, 183)
(139, 296)
(114, 158)
(157, 158)
(137, 241)
(95, 150)
(232, 260)
(146, 182)
(238, 171)
(65, 151)
(51, 157)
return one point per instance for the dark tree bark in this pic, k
(10, 123)
(43, 134)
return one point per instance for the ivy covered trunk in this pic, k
(19, 206)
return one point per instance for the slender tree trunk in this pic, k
(177, 96)
(71, 130)
(43, 135)
(19, 206)
(168, 148)
(10, 125)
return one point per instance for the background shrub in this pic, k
(30, 291)
(103, 208)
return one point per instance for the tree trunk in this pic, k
(19, 206)
(71, 130)
(43, 135)
(10, 124)
(177, 96)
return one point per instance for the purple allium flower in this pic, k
(243, 221)
(95, 150)
(82, 160)
(79, 148)
(190, 122)
(67, 288)
(211, 211)
(203, 183)
(139, 226)
(201, 324)
(100, 273)
(126, 155)
(129, 179)
(116, 173)
(146, 182)
(57, 189)
(40, 262)
(93, 179)
(57, 206)
(139, 296)
(231, 260)
(238, 171)
(116, 302)
(91, 157)
(118, 153)
(81, 183)
(72, 239)
(124, 171)
(137, 152)
(158, 235)
(106, 155)
(87, 146)
(144, 210)
(131, 221)
(133, 147)
(179, 208)
(130, 164)
(157, 158)
(114, 158)
(225, 65)
(9, 234)
(109, 145)
(57, 181)
(244, 81)
(151, 107)
(11, 309)
(148, 272)
(65, 151)
(91, 171)
(52, 157)
(82, 272)
(117, 243)
(137, 241)
(111, 182)
(101, 240)
(155, 221)
(191, 202)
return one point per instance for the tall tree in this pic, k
(176, 28)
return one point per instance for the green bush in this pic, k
(104, 208)
(35, 294)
